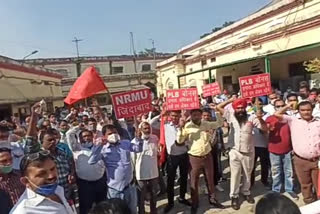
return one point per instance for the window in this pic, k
(63, 72)
(203, 62)
(227, 80)
(297, 69)
(117, 70)
(146, 67)
(213, 59)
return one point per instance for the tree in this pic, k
(312, 66)
(226, 24)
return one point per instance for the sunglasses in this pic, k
(33, 157)
(280, 106)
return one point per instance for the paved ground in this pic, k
(223, 197)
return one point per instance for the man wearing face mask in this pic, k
(92, 126)
(9, 178)
(43, 195)
(304, 93)
(91, 178)
(115, 154)
(241, 154)
(15, 147)
(197, 133)
(63, 127)
(146, 167)
(270, 107)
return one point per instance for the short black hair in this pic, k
(63, 121)
(304, 86)
(274, 203)
(49, 131)
(176, 111)
(207, 110)
(304, 103)
(107, 127)
(111, 206)
(26, 162)
(292, 95)
(92, 120)
(52, 114)
(314, 90)
(196, 110)
(278, 100)
(5, 149)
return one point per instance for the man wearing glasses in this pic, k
(42, 194)
(280, 152)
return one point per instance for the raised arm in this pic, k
(32, 129)
(280, 112)
(220, 107)
(72, 141)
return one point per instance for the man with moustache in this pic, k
(241, 154)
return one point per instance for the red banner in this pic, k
(255, 85)
(182, 99)
(132, 103)
(211, 89)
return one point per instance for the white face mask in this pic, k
(113, 138)
(91, 127)
(145, 136)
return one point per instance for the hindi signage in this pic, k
(182, 99)
(211, 89)
(255, 85)
(132, 103)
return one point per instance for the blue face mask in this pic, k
(45, 190)
(87, 145)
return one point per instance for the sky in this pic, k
(49, 26)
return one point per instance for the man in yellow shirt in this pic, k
(197, 135)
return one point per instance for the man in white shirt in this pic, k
(91, 178)
(146, 166)
(270, 107)
(42, 194)
(316, 110)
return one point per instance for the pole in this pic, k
(76, 41)
(267, 65)
(210, 76)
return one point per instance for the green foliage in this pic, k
(312, 66)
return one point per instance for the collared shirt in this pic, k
(117, 160)
(11, 184)
(81, 155)
(146, 161)
(305, 136)
(31, 203)
(64, 165)
(171, 131)
(199, 136)
(240, 137)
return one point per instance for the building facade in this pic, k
(276, 39)
(21, 85)
(120, 73)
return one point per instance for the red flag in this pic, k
(88, 84)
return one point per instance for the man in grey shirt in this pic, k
(177, 157)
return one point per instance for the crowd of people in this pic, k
(87, 161)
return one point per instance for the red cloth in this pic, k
(162, 141)
(88, 84)
(279, 136)
(239, 102)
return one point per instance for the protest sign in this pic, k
(255, 85)
(211, 89)
(182, 99)
(132, 103)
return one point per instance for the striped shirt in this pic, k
(11, 184)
